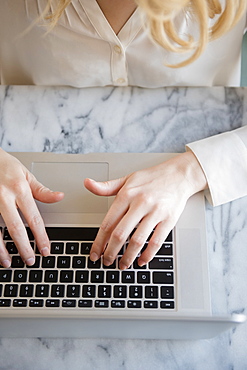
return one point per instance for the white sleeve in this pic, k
(223, 159)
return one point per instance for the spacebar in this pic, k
(72, 233)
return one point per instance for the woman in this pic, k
(147, 43)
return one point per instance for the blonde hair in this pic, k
(160, 17)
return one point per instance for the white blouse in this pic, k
(83, 51)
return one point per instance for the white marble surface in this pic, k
(136, 120)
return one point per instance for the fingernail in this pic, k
(6, 263)
(94, 256)
(45, 251)
(30, 261)
(107, 262)
(141, 263)
(122, 266)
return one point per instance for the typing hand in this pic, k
(18, 188)
(153, 198)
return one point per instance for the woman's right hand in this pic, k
(18, 189)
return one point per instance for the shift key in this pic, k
(161, 263)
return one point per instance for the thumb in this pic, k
(105, 188)
(42, 193)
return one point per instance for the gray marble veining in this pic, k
(136, 120)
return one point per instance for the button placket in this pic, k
(118, 66)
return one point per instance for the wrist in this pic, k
(193, 172)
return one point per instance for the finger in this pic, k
(137, 241)
(106, 188)
(119, 236)
(157, 239)
(5, 259)
(18, 232)
(34, 220)
(113, 217)
(41, 192)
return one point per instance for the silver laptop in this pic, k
(66, 295)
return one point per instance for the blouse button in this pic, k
(117, 49)
(120, 80)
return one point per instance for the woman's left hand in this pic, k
(150, 199)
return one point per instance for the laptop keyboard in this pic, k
(69, 279)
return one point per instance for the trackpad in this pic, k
(68, 177)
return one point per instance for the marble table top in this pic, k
(136, 120)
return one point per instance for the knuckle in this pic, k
(106, 226)
(19, 187)
(155, 244)
(36, 220)
(125, 193)
(3, 193)
(119, 235)
(15, 228)
(138, 240)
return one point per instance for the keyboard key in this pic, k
(20, 276)
(88, 291)
(26, 290)
(36, 303)
(63, 262)
(94, 265)
(169, 237)
(97, 276)
(112, 276)
(151, 292)
(143, 277)
(10, 290)
(104, 291)
(51, 276)
(150, 304)
(112, 266)
(165, 250)
(167, 304)
(35, 276)
(79, 262)
(135, 291)
(6, 235)
(1, 288)
(72, 248)
(52, 303)
(120, 291)
(48, 262)
(163, 277)
(128, 277)
(5, 302)
(167, 292)
(134, 304)
(57, 290)
(11, 248)
(86, 247)
(137, 267)
(73, 291)
(81, 276)
(36, 263)
(5, 275)
(20, 303)
(118, 304)
(159, 263)
(101, 303)
(69, 303)
(57, 248)
(72, 233)
(17, 262)
(66, 276)
(42, 290)
(85, 303)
